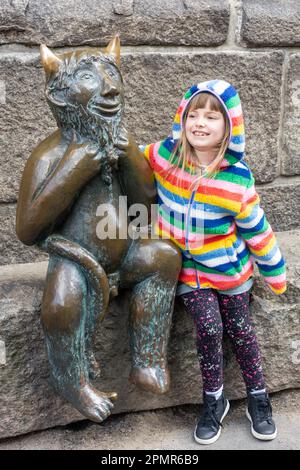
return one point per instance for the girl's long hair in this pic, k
(184, 152)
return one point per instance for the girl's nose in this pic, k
(200, 122)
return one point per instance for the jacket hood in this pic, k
(229, 98)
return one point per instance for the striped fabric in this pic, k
(219, 227)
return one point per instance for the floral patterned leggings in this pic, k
(211, 312)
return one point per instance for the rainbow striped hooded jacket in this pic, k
(219, 227)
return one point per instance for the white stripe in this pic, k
(275, 259)
(236, 111)
(181, 208)
(220, 87)
(212, 262)
(236, 147)
(252, 223)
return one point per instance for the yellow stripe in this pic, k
(278, 291)
(173, 189)
(244, 214)
(266, 249)
(199, 197)
(147, 152)
(168, 236)
(177, 119)
(238, 130)
(219, 201)
(212, 246)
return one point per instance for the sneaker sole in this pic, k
(216, 437)
(262, 437)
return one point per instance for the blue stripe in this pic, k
(267, 257)
(173, 197)
(193, 89)
(237, 171)
(234, 153)
(210, 223)
(251, 216)
(238, 139)
(268, 268)
(228, 93)
(169, 144)
(255, 228)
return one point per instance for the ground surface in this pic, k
(168, 429)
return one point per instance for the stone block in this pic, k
(291, 118)
(281, 201)
(28, 402)
(12, 251)
(73, 22)
(271, 23)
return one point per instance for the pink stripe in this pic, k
(276, 279)
(259, 238)
(221, 277)
(236, 111)
(228, 186)
(170, 229)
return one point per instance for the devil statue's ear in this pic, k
(49, 60)
(114, 48)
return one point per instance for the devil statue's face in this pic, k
(84, 88)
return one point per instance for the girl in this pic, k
(209, 207)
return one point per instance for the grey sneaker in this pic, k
(259, 413)
(208, 428)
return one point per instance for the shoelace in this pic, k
(209, 414)
(264, 409)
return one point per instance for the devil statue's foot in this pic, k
(153, 379)
(93, 404)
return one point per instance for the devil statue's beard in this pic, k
(88, 122)
(108, 133)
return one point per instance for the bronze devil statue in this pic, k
(90, 161)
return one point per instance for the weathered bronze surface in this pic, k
(88, 161)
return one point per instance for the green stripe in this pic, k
(232, 102)
(274, 272)
(169, 217)
(231, 159)
(163, 152)
(203, 268)
(232, 178)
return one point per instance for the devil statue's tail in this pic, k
(78, 298)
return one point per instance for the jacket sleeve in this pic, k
(149, 153)
(255, 229)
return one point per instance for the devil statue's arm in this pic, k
(135, 174)
(53, 176)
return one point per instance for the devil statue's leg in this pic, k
(152, 268)
(65, 320)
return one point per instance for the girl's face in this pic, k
(204, 128)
